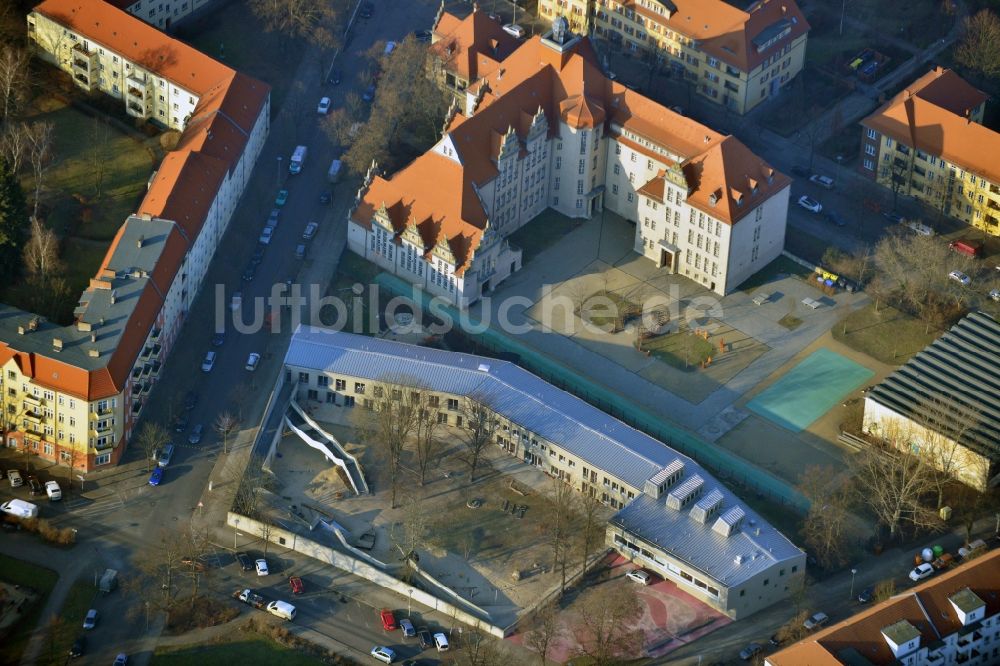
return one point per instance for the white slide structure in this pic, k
(309, 432)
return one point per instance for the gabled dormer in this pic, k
(902, 638)
(968, 606)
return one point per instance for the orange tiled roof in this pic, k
(183, 190)
(729, 33)
(916, 118)
(471, 47)
(926, 607)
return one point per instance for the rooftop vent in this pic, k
(93, 337)
(140, 241)
(57, 344)
(483, 367)
(114, 296)
(20, 330)
(729, 522)
(83, 325)
(93, 353)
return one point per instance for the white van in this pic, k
(390, 47)
(281, 609)
(20, 508)
(441, 642)
(53, 490)
(298, 159)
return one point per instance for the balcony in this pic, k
(155, 335)
(146, 353)
(136, 110)
(108, 444)
(136, 388)
(136, 408)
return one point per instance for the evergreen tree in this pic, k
(13, 224)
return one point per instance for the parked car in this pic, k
(638, 576)
(918, 228)
(34, 486)
(218, 339)
(810, 204)
(300, 251)
(815, 621)
(196, 433)
(388, 619)
(921, 572)
(15, 478)
(261, 566)
(258, 255)
(751, 651)
(190, 399)
(265, 235)
(244, 561)
(90, 621)
(209, 362)
(165, 455)
(974, 547)
(335, 77)
(324, 106)
(775, 640)
(514, 30)
(281, 199)
(424, 636)
(296, 584)
(800, 171)
(53, 490)
(441, 642)
(273, 217)
(156, 477)
(422, 35)
(969, 248)
(325, 197)
(79, 646)
(369, 93)
(995, 295)
(383, 654)
(835, 218)
(249, 273)
(367, 10)
(181, 423)
(407, 628)
(822, 181)
(310, 231)
(866, 595)
(252, 361)
(960, 277)
(894, 217)
(121, 659)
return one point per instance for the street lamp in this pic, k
(840, 158)
(853, 572)
(279, 170)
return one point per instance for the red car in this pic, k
(388, 619)
(296, 584)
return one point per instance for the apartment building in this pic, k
(928, 142)
(735, 57)
(953, 618)
(547, 129)
(944, 403)
(462, 51)
(164, 14)
(71, 394)
(675, 517)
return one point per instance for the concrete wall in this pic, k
(355, 566)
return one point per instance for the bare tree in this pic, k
(979, 49)
(546, 630)
(411, 533)
(252, 482)
(389, 424)
(14, 144)
(479, 429)
(41, 252)
(946, 420)
(561, 526)
(239, 397)
(40, 139)
(265, 533)
(590, 527)
(793, 630)
(893, 482)
(604, 625)
(97, 152)
(427, 444)
(823, 529)
(158, 567)
(308, 20)
(195, 545)
(225, 424)
(152, 437)
(884, 589)
(13, 80)
(482, 649)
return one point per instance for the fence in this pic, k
(727, 466)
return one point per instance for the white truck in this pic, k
(333, 173)
(20, 508)
(250, 598)
(298, 160)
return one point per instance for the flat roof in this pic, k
(589, 434)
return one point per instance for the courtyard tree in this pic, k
(479, 429)
(948, 419)
(884, 589)
(892, 482)
(152, 437)
(793, 630)
(562, 527)
(13, 224)
(14, 144)
(195, 545)
(604, 623)
(390, 422)
(411, 533)
(546, 630)
(40, 137)
(14, 77)
(481, 649)
(98, 153)
(45, 272)
(823, 529)
(979, 49)
(590, 528)
(157, 570)
(897, 172)
(225, 424)
(252, 483)
(310, 21)
(427, 443)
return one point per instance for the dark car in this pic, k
(34, 486)
(191, 397)
(335, 77)
(800, 171)
(866, 595)
(835, 218)
(258, 255)
(369, 93)
(249, 274)
(424, 636)
(775, 640)
(79, 646)
(325, 197)
(218, 339)
(422, 35)
(196, 434)
(273, 216)
(751, 651)
(243, 559)
(181, 423)
(367, 10)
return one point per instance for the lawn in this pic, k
(40, 579)
(606, 308)
(268, 56)
(810, 94)
(541, 233)
(890, 336)
(682, 349)
(790, 321)
(778, 269)
(64, 631)
(250, 650)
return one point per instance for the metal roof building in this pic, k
(680, 512)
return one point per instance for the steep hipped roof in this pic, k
(953, 385)
(915, 118)
(471, 47)
(926, 607)
(743, 39)
(119, 308)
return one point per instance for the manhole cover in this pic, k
(474, 503)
